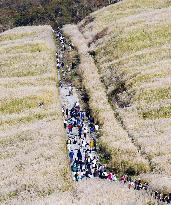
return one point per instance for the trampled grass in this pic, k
(133, 59)
(33, 161)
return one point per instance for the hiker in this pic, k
(74, 168)
(80, 132)
(60, 84)
(65, 123)
(75, 140)
(84, 145)
(82, 174)
(87, 146)
(81, 164)
(94, 144)
(62, 64)
(82, 115)
(96, 127)
(66, 112)
(69, 141)
(69, 147)
(94, 161)
(75, 162)
(63, 110)
(96, 173)
(91, 144)
(110, 177)
(71, 156)
(89, 173)
(79, 155)
(70, 90)
(123, 179)
(88, 162)
(101, 170)
(114, 178)
(145, 186)
(76, 177)
(92, 129)
(58, 66)
(70, 126)
(85, 130)
(91, 120)
(104, 175)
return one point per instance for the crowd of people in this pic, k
(81, 143)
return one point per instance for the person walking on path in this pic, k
(80, 132)
(94, 144)
(79, 155)
(110, 176)
(70, 90)
(63, 110)
(97, 127)
(91, 144)
(66, 112)
(76, 177)
(85, 130)
(70, 126)
(71, 156)
(92, 128)
(65, 123)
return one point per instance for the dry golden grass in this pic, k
(114, 139)
(33, 161)
(161, 182)
(96, 191)
(135, 53)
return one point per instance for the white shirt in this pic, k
(85, 130)
(70, 88)
(96, 127)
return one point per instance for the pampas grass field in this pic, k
(133, 60)
(114, 139)
(33, 160)
(34, 168)
(96, 191)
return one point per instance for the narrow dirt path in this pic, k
(69, 101)
(77, 143)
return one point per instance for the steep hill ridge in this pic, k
(131, 45)
(114, 139)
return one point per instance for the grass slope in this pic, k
(131, 41)
(114, 140)
(33, 161)
(90, 191)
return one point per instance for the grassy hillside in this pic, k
(32, 138)
(114, 141)
(131, 41)
(34, 168)
(90, 192)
